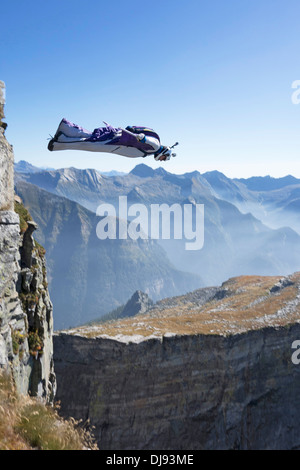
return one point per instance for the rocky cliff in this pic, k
(209, 370)
(6, 162)
(26, 326)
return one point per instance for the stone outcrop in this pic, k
(140, 302)
(6, 163)
(200, 371)
(26, 325)
(2, 103)
(13, 329)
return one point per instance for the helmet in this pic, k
(165, 152)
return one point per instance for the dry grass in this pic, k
(24, 215)
(28, 424)
(9, 439)
(249, 304)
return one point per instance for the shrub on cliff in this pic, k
(24, 215)
(26, 424)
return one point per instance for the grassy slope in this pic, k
(28, 424)
(240, 304)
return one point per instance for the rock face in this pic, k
(2, 103)
(26, 346)
(6, 162)
(26, 326)
(139, 303)
(226, 380)
(13, 329)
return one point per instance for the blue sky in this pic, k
(214, 75)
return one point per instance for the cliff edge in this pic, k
(6, 162)
(26, 323)
(212, 369)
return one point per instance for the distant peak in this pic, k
(267, 183)
(25, 167)
(191, 174)
(160, 171)
(214, 173)
(142, 170)
(140, 302)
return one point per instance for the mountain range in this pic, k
(251, 226)
(89, 277)
(274, 201)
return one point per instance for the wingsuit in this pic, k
(132, 142)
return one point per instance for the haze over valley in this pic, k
(250, 227)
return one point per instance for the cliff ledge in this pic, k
(212, 369)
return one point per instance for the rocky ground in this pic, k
(238, 305)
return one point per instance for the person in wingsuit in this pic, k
(132, 142)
